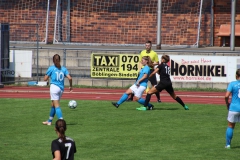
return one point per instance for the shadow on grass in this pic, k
(72, 124)
(166, 108)
(73, 109)
(235, 147)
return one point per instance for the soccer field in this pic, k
(103, 132)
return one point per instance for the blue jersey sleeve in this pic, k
(229, 88)
(65, 72)
(146, 70)
(49, 71)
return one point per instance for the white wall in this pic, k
(20, 64)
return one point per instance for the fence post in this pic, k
(4, 49)
(232, 36)
(159, 24)
(37, 55)
(1, 85)
(64, 57)
(199, 23)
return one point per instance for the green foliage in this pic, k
(103, 132)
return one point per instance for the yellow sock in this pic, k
(147, 89)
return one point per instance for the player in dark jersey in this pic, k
(165, 83)
(63, 148)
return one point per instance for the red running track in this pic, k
(108, 94)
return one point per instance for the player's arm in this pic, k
(46, 77)
(227, 95)
(154, 72)
(142, 79)
(70, 81)
(48, 74)
(57, 155)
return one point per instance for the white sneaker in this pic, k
(47, 123)
(228, 147)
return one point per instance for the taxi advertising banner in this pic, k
(114, 65)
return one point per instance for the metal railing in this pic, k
(211, 51)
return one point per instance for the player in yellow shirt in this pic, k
(154, 57)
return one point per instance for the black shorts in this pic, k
(153, 79)
(165, 85)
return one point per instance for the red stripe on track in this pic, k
(109, 94)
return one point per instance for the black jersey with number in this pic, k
(164, 72)
(66, 148)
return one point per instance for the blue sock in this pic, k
(59, 112)
(122, 99)
(229, 135)
(142, 101)
(52, 113)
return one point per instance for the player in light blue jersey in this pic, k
(233, 107)
(140, 85)
(57, 73)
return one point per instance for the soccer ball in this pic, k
(72, 104)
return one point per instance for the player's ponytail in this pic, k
(61, 127)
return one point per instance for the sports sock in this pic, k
(229, 135)
(59, 112)
(179, 100)
(147, 100)
(123, 98)
(142, 101)
(52, 113)
(157, 95)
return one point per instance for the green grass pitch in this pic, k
(103, 132)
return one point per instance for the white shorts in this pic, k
(138, 91)
(55, 92)
(233, 117)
